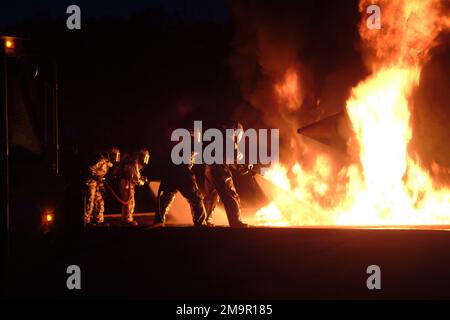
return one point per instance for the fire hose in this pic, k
(123, 202)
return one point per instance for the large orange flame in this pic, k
(388, 185)
(288, 91)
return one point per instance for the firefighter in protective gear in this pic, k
(219, 184)
(130, 177)
(95, 205)
(115, 158)
(180, 178)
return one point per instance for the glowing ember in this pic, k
(387, 185)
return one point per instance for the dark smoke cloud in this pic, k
(431, 109)
(318, 39)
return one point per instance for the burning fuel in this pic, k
(288, 91)
(385, 182)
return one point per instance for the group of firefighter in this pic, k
(219, 185)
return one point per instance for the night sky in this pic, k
(14, 12)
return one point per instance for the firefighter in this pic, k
(95, 205)
(219, 184)
(129, 178)
(180, 178)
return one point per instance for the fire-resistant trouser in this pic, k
(219, 184)
(127, 190)
(180, 179)
(95, 205)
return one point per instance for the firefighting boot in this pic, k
(237, 223)
(158, 225)
(100, 220)
(209, 221)
(132, 223)
(159, 220)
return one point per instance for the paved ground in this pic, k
(254, 263)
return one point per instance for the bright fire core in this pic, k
(387, 185)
